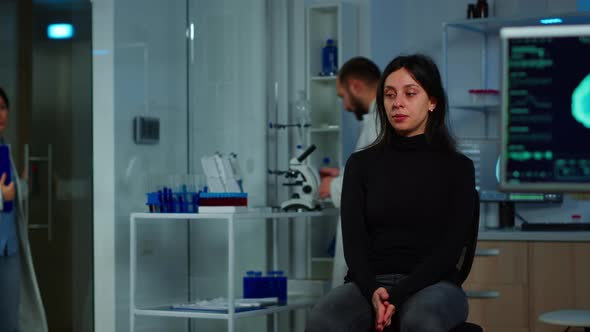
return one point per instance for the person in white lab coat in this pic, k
(356, 84)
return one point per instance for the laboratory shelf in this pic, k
(486, 28)
(477, 107)
(293, 303)
(322, 259)
(323, 78)
(298, 301)
(250, 214)
(493, 25)
(327, 129)
(515, 234)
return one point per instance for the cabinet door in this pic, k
(507, 312)
(582, 274)
(559, 275)
(499, 262)
(501, 268)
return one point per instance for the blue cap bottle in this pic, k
(329, 58)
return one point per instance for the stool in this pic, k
(569, 318)
(467, 327)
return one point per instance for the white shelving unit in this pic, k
(486, 28)
(491, 26)
(164, 309)
(338, 21)
(483, 28)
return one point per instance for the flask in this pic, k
(302, 114)
(482, 8)
(329, 58)
(470, 10)
(302, 109)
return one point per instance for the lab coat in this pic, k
(31, 312)
(368, 134)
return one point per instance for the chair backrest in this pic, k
(466, 260)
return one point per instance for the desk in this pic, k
(164, 309)
(579, 318)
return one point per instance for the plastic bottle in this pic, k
(278, 285)
(252, 284)
(329, 58)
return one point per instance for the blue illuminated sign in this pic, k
(552, 20)
(60, 31)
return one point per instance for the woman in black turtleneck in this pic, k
(407, 205)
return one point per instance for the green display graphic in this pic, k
(581, 102)
(526, 197)
(529, 155)
(516, 111)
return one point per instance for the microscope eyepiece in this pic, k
(306, 153)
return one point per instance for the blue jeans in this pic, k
(10, 292)
(436, 308)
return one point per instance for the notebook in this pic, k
(221, 304)
(5, 168)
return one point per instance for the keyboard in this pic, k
(550, 227)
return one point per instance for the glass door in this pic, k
(227, 83)
(49, 75)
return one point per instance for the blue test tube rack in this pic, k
(274, 284)
(167, 201)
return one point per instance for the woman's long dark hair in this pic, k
(5, 97)
(425, 72)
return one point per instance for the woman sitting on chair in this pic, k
(407, 205)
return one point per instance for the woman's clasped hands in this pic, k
(383, 309)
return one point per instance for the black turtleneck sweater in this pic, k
(406, 208)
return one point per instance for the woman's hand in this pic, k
(383, 309)
(8, 191)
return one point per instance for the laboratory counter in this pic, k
(515, 234)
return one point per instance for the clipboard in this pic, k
(5, 167)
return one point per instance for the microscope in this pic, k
(306, 181)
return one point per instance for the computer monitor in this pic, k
(545, 129)
(485, 154)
